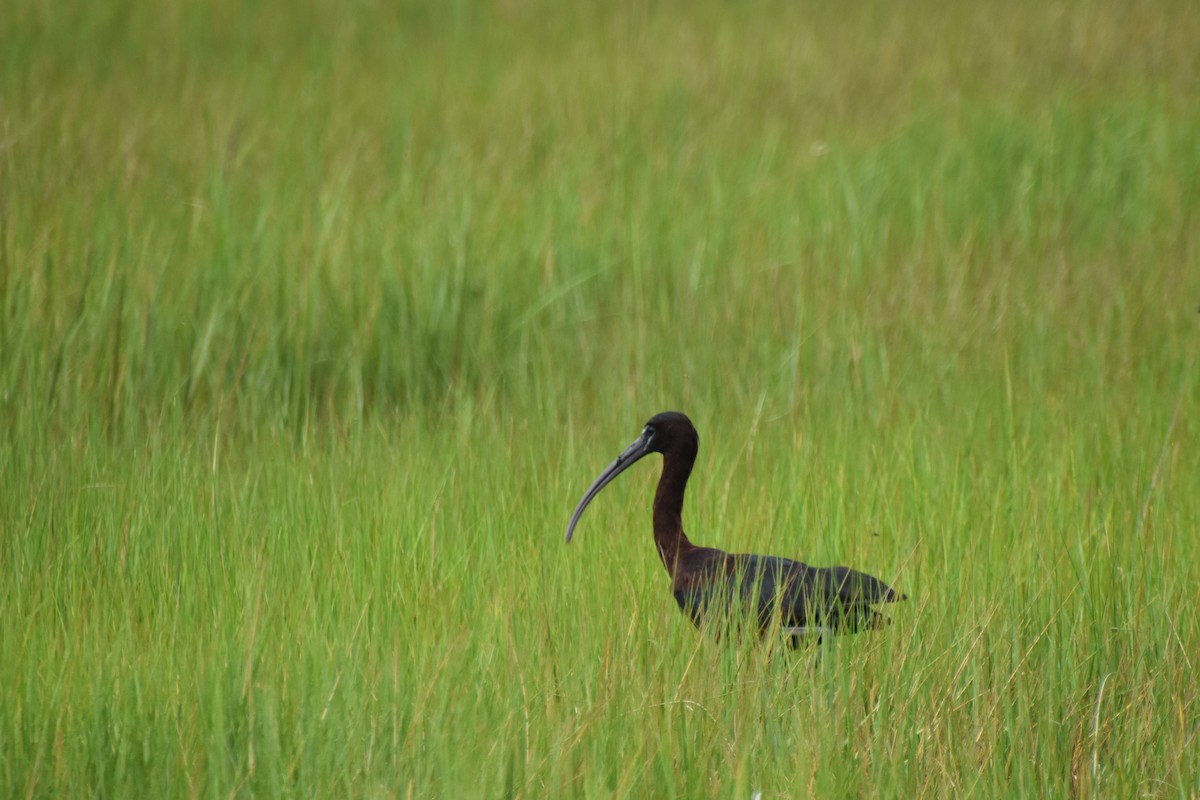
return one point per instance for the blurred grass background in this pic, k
(316, 319)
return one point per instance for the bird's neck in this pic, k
(669, 537)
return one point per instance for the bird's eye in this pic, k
(647, 432)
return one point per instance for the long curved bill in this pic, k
(632, 453)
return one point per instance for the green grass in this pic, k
(317, 319)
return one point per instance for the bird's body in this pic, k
(808, 599)
(741, 587)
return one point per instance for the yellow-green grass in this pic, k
(316, 319)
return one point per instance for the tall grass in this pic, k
(315, 321)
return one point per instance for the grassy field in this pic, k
(316, 319)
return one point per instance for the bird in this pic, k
(735, 590)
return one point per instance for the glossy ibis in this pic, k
(808, 599)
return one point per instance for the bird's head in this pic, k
(662, 433)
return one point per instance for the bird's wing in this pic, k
(833, 596)
(747, 585)
(852, 586)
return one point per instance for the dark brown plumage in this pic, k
(706, 580)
